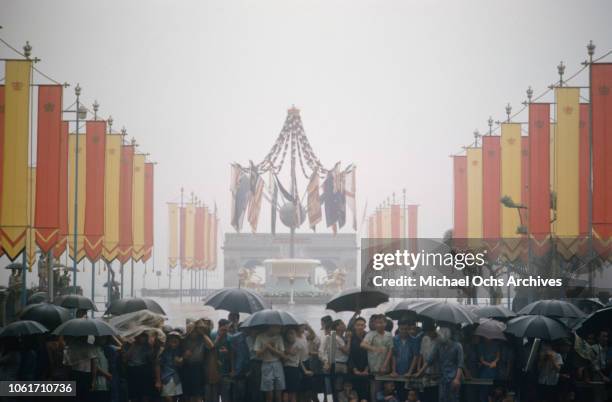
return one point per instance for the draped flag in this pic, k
(148, 211)
(60, 247)
(460, 197)
(13, 216)
(48, 155)
(199, 238)
(173, 228)
(94, 185)
(1, 149)
(189, 234)
(510, 176)
(539, 176)
(350, 191)
(601, 102)
(313, 201)
(491, 193)
(112, 191)
(254, 206)
(31, 233)
(77, 194)
(474, 193)
(138, 243)
(125, 203)
(583, 173)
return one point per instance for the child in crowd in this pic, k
(348, 394)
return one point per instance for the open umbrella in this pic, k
(497, 312)
(38, 297)
(49, 315)
(124, 306)
(356, 299)
(85, 327)
(111, 283)
(587, 305)
(15, 265)
(453, 313)
(537, 326)
(552, 308)
(23, 328)
(76, 301)
(270, 317)
(491, 329)
(238, 300)
(595, 322)
(404, 309)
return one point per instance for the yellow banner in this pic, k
(138, 248)
(173, 227)
(80, 188)
(566, 179)
(474, 193)
(112, 164)
(14, 217)
(31, 233)
(510, 177)
(207, 239)
(189, 234)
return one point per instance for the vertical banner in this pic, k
(206, 239)
(214, 230)
(148, 210)
(48, 160)
(460, 197)
(198, 254)
(379, 222)
(1, 148)
(189, 234)
(182, 235)
(77, 194)
(14, 217)
(95, 187)
(583, 170)
(601, 102)
(31, 233)
(413, 224)
(125, 203)
(173, 228)
(396, 221)
(60, 247)
(525, 173)
(491, 188)
(138, 243)
(474, 193)
(566, 162)
(112, 191)
(510, 177)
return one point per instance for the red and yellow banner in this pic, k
(491, 187)
(173, 229)
(138, 241)
(80, 187)
(13, 216)
(60, 247)
(460, 218)
(148, 210)
(474, 193)
(112, 193)
(48, 160)
(95, 187)
(125, 203)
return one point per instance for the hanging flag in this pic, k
(94, 185)
(173, 228)
(199, 238)
(460, 197)
(148, 211)
(350, 191)
(313, 201)
(77, 194)
(1, 151)
(583, 173)
(125, 203)
(189, 234)
(396, 221)
(31, 233)
(112, 191)
(60, 247)
(241, 196)
(13, 217)
(48, 157)
(182, 235)
(138, 243)
(254, 206)
(491, 189)
(413, 224)
(208, 228)
(474, 193)
(510, 177)
(601, 101)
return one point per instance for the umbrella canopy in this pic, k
(587, 305)
(38, 297)
(85, 327)
(22, 328)
(356, 299)
(552, 308)
(453, 313)
(497, 312)
(238, 300)
(125, 306)
(49, 315)
(270, 317)
(15, 265)
(111, 283)
(595, 322)
(537, 326)
(404, 309)
(491, 329)
(76, 301)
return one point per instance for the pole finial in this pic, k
(110, 123)
(561, 71)
(77, 90)
(508, 111)
(490, 123)
(529, 94)
(591, 50)
(27, 50)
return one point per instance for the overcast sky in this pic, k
(392, 86)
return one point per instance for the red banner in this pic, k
(125, 203)
(60, 247)
(601, 102)
(491, 187)
(460, 197)
(396, 222)
(214, 228)
(1, 142)
(95, 143)
(199, 238)
(583, 166)
(539, 171)
(379, 223)
(413, 223)
(182, 236)
(148, 210)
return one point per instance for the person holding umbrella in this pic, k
(79, 356)
(358, 359)
(269, 347)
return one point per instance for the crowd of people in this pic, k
(362, 360)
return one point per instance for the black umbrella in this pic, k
(595, 322)
(404, 310)
(587, 305)
(38, 297)
(236, 300)
(112, 283)
(15, 265)
(23, 328)
(49, 315)
(453, 313)
(497, 312)
(76, 301)
(125, 306)
(85, 327)
(537, 326)
(552, 308)
(270, 317)
(356, 299)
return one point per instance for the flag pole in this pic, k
(591, 52)
(77, 92)
(132, 277)
(181, 255)
(93, 285)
